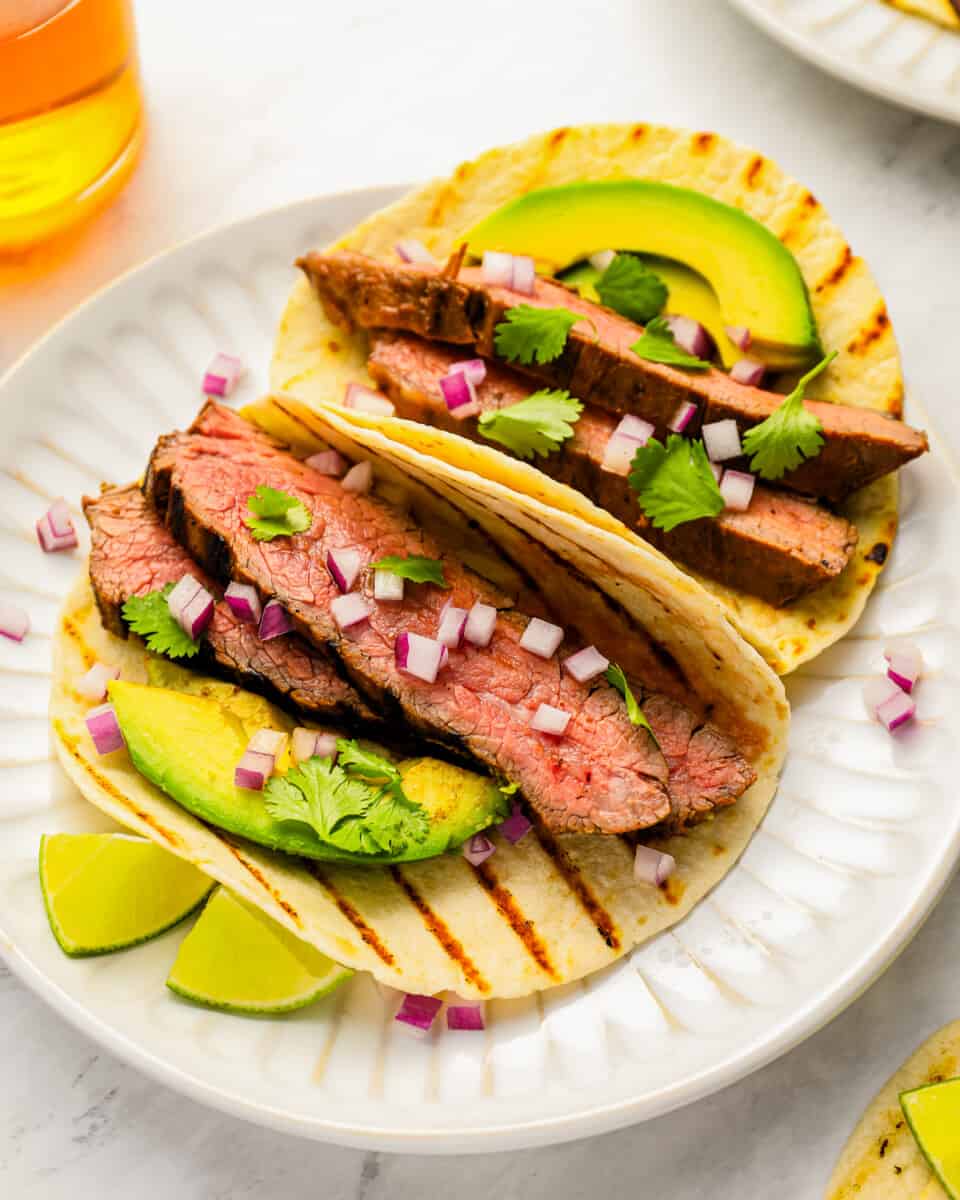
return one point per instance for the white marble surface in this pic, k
(252, 106)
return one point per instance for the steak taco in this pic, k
(656, 331)
(445, 733)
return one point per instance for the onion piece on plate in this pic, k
(896, 711)
(55, 529)
(904, 664)
(14, 621)
(465, 1017)
(222, 375)
(418, 1013)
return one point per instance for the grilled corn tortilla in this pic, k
(313, 360)
(882, 1160)
(543, 912)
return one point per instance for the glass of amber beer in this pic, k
(70, 113)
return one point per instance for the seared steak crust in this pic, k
(133, 553)
(597, 364)
(780, 548)
(605, 775)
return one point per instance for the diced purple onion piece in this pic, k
(524, 275)
(269, 741)
(64, 536)
(364, 399)
(60, 520)
(541, 638)
(682, 417)
(412, 251)
(93, 685)
(418, 1012)
(548, 719)
(274, 622)
(244, 602)
(475, 370)
(350, 610)
(419, 656)
(896, 711)
(586, 664)
(904, 664)
(458, 392)
(14, 621)
(467, 1017)
(481, 622)
(478, 849)
(736, 488)
(303, 744)
(722, 440)
(387, 585)
(748, 371)
(740, 335)
(198, 614)
(635, 428)
(618, 454)
(327, 462)
(327, 746)
(602, 259)
(497, 268)
(691, 336)
(652, 866)
(453, 621)
(181, 594)
(222, 375)
(516, 826)
(345, 566)
(877, 691)
(359, 478)
(104, 728)
(253, 770)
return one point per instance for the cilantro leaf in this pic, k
(275, 514)
(538, 425)
(413, 567)
(529, 334)
(615, 677)
(150, 616)
(657, 344)
(629, 287)
(789, 435)
(366, 763)
(674, 483)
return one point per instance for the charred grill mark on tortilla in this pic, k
(508, 908)
(367, 933)
(859, 445)
(254, 871)
(603, 776)
(451, 946)
(575, 880)
(781, 548)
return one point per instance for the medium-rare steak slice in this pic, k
(604, 775)
(597, 364)
(780, 548)
(133, 553)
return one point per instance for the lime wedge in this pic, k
(237, 959)
(109, 891)
(933, 1114)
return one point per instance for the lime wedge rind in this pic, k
(950, 1186)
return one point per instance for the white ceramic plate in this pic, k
(909, 60)
(857, 847)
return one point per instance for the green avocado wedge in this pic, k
(755, 278)
(188, 744)
(933, 1114)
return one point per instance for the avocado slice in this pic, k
(188, 742)
(933, 1114)
(689, 295)
(755, 277)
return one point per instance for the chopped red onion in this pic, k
(222, 375)
(419, 656)
(418, 1013)
(740, 335)
(748, 371)
(359, 478)
(327, 746)
(541, 638)
(652, 866)
(197, 614)
(93, 685)
(896, 711)
(602, 259)
(387, 585)
(310, 743)
(736, 488)
(635, 428)
(412, 251)
(722, 440)
(548, 719)
(185, 590)
(268, 741)
(481, 622)
(586, 664)
(274, 622)
(497, 268)
(350, 610)
(516, 826)
(244, 602)
(253, 770)
(877, 692)
(478, 849)
(104, 728)
(716, 470)
(465, 1017)
(55, 529)
(618, 454)
(904, 664)
(364, 399)
(524, 274)
(453, 621)
(691, 336)
(459, 395)
(345, 566)
(327, 462)
(14, 621)
(682, 417)
(475, 370)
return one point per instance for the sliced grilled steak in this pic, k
(859, 445)
(133, 553)
(605, 775)
(780, 548)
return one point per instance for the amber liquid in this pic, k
(70, 116)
